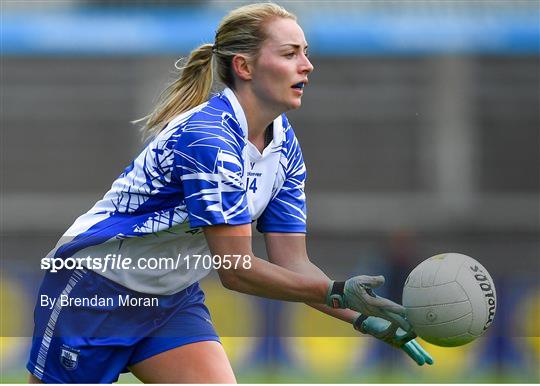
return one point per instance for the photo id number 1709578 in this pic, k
(218, 262)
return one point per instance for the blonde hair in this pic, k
(240, 32)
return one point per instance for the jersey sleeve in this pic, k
(210, 167)
(286, 211)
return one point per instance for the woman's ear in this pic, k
(242, 67)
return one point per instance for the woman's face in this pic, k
(281, 69)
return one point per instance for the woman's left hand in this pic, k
(391, 334)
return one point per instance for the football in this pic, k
(450, 299)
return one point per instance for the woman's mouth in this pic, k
(298, 88)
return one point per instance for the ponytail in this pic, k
(190, 90)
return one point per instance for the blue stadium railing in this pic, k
(104, 31)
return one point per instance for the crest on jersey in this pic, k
(69, 358)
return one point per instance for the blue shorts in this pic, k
(96, 328)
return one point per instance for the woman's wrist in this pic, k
(357, 322)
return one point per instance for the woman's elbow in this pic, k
(229, 279)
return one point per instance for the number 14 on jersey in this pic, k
(251, 184)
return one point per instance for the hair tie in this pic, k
(215, 45)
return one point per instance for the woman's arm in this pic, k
(270, 280)
(261, 278)
(288, 250)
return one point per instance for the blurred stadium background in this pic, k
(420, 131)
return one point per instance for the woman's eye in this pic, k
(290, 55)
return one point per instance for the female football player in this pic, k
(211, 168)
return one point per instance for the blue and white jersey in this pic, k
(200, 170)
